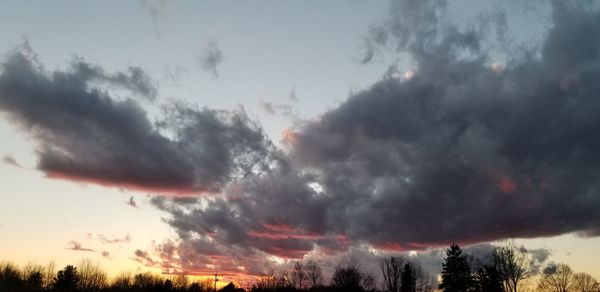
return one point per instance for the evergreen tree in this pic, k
(489, 279)
(456, 273)
(408, 279)
(66, 279)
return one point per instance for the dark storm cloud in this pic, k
(83, 133)
(134, 79)
(461, 152)
(211, 57)
(464, 150)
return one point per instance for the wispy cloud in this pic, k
(10, 160)
(158, 10)
(113, 239)
(74, 245)
(211, 57)
(131, 202)
(144, 258)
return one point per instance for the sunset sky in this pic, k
(239, 136)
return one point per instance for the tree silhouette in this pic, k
(400, 274)
(456, 273)
(556, 278)
(583, 282)
(514, 264)
(348, 278)
(392, 271)
(488, 278)
(33, 277)
(314, 274)
(298, 275)
(231, 288)
(91, 276)
(66, 279)
(408, 278)
(10, 277)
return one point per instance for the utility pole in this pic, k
(216, 280)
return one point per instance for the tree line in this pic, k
(508, 268)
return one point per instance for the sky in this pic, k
(239, 136)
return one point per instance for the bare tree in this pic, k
(181, 281)
(298, 276)
(49, 272)
(583, 282)
(270, 281)
(515, 265)
(425, 282)
(33, 275)
(400, 274)
(556, 278)
(123, 281)
(202, 286)
(146, 280)
(314, 274)
(347, 277)
(368, 282)
(350, 278)
(392, 270)
(10, 277)
(91, 276)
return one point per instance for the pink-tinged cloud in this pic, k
(176, 190)
(143, 257)
(84, 134)
(74, 245)
(113, 239)
(284, 231)
(507, 185)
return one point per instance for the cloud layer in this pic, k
(463, 149)
(85, 133)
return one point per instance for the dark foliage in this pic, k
(456, 272)
(66, 279)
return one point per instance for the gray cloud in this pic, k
(74, 245)
(113, 239)
(157, 9)
(144, 258)
(211, 57)
(134, 79)
(131, 202)
(459, 152)
(83, 133)
(285, 110)
(10, 160)
(293, 96)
